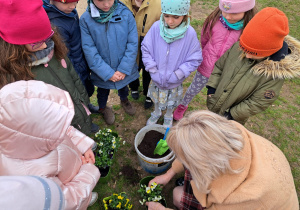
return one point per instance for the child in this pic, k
(221, 29)
(37, 139)
(30, 193)
(63, 15)
(110, 42)
(30, 49)
(248, 77)
(145, 13)
(171, 51)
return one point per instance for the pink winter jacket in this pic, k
(215, 46)
(37, 139)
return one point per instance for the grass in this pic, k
(279, 123)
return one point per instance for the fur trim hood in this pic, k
(287, 68)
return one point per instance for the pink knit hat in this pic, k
(23, 22)
(236, 6)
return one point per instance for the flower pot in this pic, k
(105, 174)
(145, 181)
(151, 165)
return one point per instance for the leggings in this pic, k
(196, 86)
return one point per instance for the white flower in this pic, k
(100, 151)
(141, 202)
(124, 142)
(101, 144)
(108, 130)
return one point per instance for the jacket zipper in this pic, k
(144, 23)
(167, 59)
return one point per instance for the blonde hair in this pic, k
(205, 143)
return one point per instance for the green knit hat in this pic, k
(175, 7)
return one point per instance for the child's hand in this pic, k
(122, 75)
(89, 156)
(83, 160)
(115, 77)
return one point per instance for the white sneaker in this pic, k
(168, 122)
(94, 198)
(153, 119)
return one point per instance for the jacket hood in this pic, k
(287, 68)
(53, 12)
(34, 118)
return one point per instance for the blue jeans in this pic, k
(102, 95)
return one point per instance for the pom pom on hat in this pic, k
(23, 22)
(175, 7)
(236, 6)
(264, 34)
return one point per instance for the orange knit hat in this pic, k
(264, 34)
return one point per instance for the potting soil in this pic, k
(149, 143)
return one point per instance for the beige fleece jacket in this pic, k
(265, 183)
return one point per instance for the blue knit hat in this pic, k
(175, 7)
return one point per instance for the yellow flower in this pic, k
(148, 190)
(104, 201)
(119, 205)
(115, 194)
(120, 197)
(127, 200)
(110, 201)
(129, 206)
(106, 207)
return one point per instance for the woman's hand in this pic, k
(89, 156)
(163, 179)
(155, 206)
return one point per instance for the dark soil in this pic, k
(130, 174)
(148, 145)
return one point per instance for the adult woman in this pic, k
(226, 167)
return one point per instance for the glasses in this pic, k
(37, 45)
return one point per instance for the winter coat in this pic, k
(266, 181)
(68, 80)
(37, 139)
(110, 47)
(68, 27)
(169, 64)
(148, 13)
(30, 192)
(245, 87)
(215, 45)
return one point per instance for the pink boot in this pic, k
(178, 113)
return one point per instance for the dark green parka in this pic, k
(67, 79)
(245, 87)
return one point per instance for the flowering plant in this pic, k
(108, 142)
(117, 201)
(152, 193)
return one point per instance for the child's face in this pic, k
(254, 57)
(233, 17)
(29, 47)
(65, 7)
(173, 20)
(104, 5)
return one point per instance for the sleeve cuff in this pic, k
(210, 90)
(152, 70)
(179, 74)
